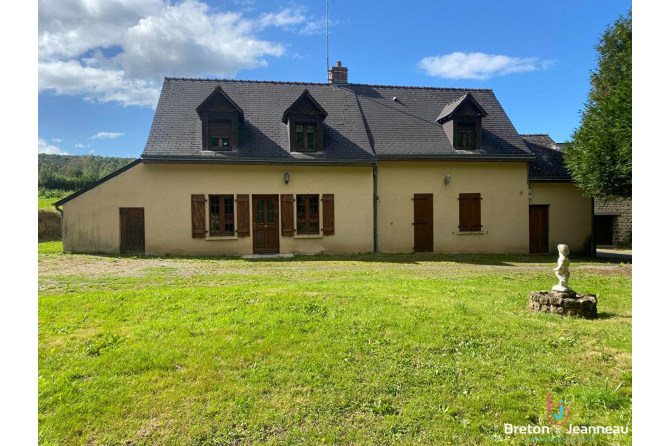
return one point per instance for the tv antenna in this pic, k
(327, 45)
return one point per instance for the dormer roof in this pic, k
(219, 101)
(466, 105)
(304, 105)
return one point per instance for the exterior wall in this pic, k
(92, 224)
(569, 215)
(504, 208)
(622, 224)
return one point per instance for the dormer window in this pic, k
(462, 122)
(465, 134)
(304, 119)
(221, 118)
(220, 134)
(305, 137)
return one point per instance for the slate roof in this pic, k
(549, 164)
(363, 122)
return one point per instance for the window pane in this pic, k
(214, 215)
(229, 215)
(271, 212)
(213, 142)
(459, 140)
(260, 214)
(314, 213)
(310, 137)
(300, 207)
(299, 137)
(468, 140)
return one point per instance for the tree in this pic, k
(600, 155)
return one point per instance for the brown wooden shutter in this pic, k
(287, 227)
(469, 212)
(198, 216)
(243, 215)
(328, 214)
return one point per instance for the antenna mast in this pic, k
(327, 47)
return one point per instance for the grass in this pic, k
(386, 349)
(46, 198)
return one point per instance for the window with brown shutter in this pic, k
(243, 216)
(307, 213)
(287, 228)
(221, 215)
(328, 214)
(198, 216)
(469, 212)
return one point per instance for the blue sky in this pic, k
(101, 62)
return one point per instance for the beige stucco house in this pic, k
(242, 167)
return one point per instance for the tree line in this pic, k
(70, 172)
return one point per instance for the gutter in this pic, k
(261, 161)
(457, 157)
(375, 199)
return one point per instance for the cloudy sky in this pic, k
(101, 63)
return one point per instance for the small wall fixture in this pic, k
(447, 179)
(287, 177)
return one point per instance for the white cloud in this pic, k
(79, 146)
(120, 50)
(479, 65)
(282, 19)
(56, 140)
(45, 147)
(106, 135)
(91, 152)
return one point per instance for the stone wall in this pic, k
(622, 224)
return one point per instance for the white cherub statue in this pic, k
(561, 270)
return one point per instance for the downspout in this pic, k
(60, 211)
(375, 198)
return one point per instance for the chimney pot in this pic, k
(338, 64)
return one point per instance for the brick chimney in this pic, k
(338, 74)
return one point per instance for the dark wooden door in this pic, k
(538, 223)
(423, 223)
(265, 212)
(132, 230)
(603, 225)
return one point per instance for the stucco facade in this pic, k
(91, 220)
(504, 209)
(569, 214)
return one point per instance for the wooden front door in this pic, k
(603, 225)
(538, 223)
(423, 223)
(265, 214)
(132, 230)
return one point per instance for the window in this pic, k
(307, 207)
(221, 215)
(305, 137)
(220, 133)
(469, 212)
(465, 135)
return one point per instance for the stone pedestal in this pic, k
(565, 303)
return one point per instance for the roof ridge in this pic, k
(533, 134)
(324, 83)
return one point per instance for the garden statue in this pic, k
(561, 270)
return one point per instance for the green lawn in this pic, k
(45, 199)
(387, 349)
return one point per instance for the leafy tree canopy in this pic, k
(600, 156)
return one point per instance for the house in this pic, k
(240, 167)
